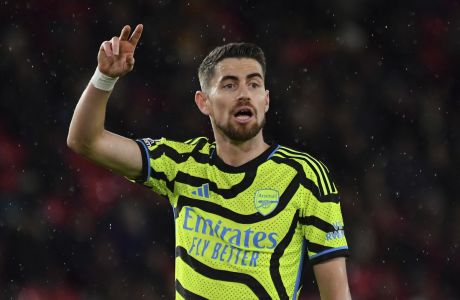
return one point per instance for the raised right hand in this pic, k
(116, 57)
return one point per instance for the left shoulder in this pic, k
(313, 168)
(304, 158)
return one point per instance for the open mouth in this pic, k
(243, 114)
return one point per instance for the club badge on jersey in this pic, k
(266, 200)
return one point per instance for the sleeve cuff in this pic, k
(329, 254)
(145, 162)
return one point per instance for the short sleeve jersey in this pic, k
(243, 232)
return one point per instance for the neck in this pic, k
(235, 153)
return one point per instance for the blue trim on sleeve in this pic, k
(329, 251)
(299, 272)
(147, 157)
(273, 152)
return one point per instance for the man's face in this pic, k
(237, 99)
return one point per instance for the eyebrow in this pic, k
(252, 75)
(233, 77)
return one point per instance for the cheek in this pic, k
(262, 106)
(216, 109)
(219, 107)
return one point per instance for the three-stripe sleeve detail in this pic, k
(315, 165)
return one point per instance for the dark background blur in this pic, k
(369, 87)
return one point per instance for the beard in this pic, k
(241, 133)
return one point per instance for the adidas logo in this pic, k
(202, 191)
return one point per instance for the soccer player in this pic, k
(246, 213)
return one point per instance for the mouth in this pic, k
(243, 114)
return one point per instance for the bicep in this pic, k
(118, 154)
(331, 277)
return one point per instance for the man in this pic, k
(246, 212)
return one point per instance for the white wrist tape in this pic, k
(102, 81)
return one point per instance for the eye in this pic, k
(254, 85)
(229, 86)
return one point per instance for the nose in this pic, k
(243, 94)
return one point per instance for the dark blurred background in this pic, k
(369, 87)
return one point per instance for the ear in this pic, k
(201, 100)
(267, 100)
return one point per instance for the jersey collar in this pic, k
(250, 165)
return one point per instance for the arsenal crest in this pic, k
(266, 200)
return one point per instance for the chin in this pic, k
(243, 133)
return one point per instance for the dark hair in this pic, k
(231, 50)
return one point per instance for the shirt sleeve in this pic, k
(158, 169)
(322, 223)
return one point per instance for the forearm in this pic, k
(88, 119)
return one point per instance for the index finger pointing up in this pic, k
(134, 39)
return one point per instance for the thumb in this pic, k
(130, 60)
